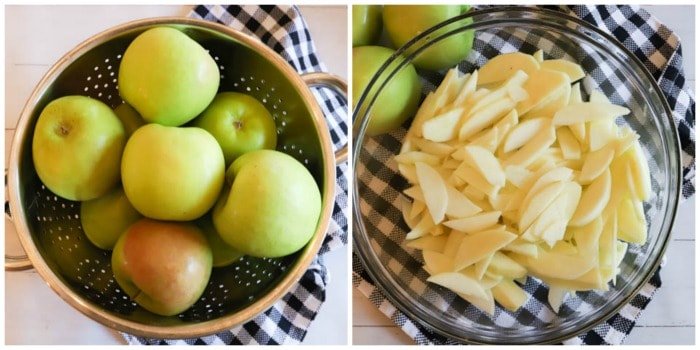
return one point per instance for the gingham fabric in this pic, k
(660, 51)
(283, 29)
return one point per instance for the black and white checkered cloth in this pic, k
(283, 29)
(660, 51)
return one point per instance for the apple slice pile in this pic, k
(514, 174)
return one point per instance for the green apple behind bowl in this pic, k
(77, 147)
(163, 266)
(270, 206)
(403, 22)
(167, 76)
(240, 123)
(397, 101)
(366, 24)
(172, 173)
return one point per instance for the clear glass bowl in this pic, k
(379, 231)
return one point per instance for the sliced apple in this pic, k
(569, 145)
(532, 150)
(509, 295)
(477, 120)
(433, 243)
(543, 86)
(503, 66)
(595, 163)
(475, 223)
(588, 112)
(436, 262)
(502, 265)
(412, 157)
(477, 246)
(524, 132)
(632, 223)
(638, 168)
(442, 127)
(486, 163)
(434, 191)
(571, 69)
(593, 200)
(459, 205)
(536, 203)
(459, 283)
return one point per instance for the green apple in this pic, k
(167, 76)
(105, 218)
(130, 118)
(272, 206)
(163, 266)
(366, 24)
(172, 173)
(223, 254)
(404, 22)
(240, 123)
(77, 147)
(397, 101)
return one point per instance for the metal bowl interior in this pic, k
(49, 226)
(379, 231)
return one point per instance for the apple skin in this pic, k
(366, 24)
(130, 118)
(397, 101)
(404, 22)
(167, 76)
(172, 173)
(272, 207)
(105, 218)
(240, 123)
(223, 254)
(163, 266)
(77, 147)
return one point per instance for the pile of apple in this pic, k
(513, 175)
(180, 178)
(399, 100)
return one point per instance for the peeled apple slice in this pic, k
(593, 200)
(571, 69)
(434, 191)
(459, 283)
(502, 67)
(588, 112)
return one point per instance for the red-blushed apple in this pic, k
(240, 123)
(168, 77)
(366, 24)
(105, 218)
(172, 173)
(163, 266)
(223, 254)
(77, 147)
(403, 22)
(130, 118)
(270, 206)
(397, 101)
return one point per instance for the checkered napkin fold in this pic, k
(660, 51)
(283, 29)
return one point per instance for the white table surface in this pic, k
(670, 317)
(35, 38)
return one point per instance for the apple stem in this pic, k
(238, 124)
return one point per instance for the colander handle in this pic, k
(13, 262)
(340, 86)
